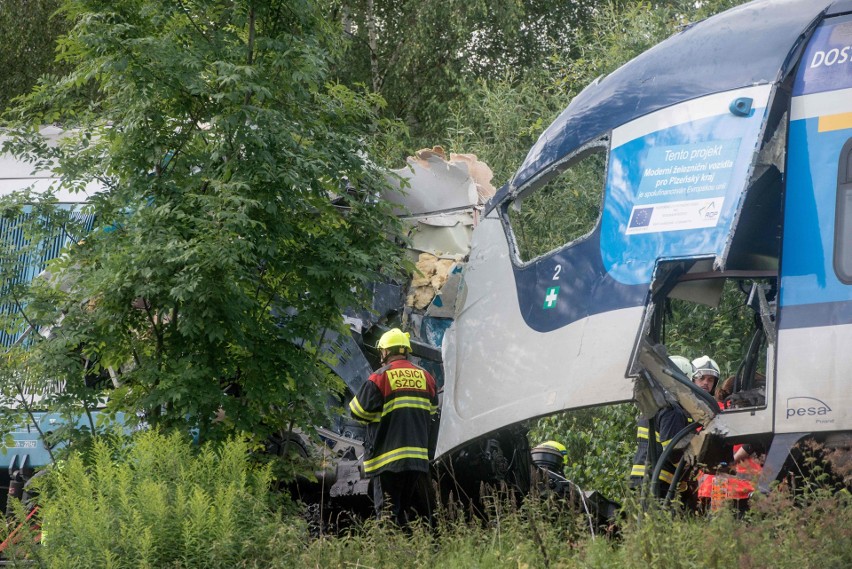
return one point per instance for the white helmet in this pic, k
(683, 364)
(705, 365)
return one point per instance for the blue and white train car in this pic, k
(728, 155)
(27, 450)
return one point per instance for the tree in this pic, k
(218, 260)
(29, 29)
(424, 56)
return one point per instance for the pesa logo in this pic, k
(806, 406)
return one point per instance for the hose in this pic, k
(664, 457)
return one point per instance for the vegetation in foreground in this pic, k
(159, 501)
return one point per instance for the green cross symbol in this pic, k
(550, 297)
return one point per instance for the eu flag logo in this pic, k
(641, 217)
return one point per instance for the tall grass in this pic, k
(779, 533)
(157, 501)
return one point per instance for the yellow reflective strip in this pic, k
(665, 443)
(360, 413)
(402, 456)
(638, 470)
(396, 454)
(410, 402)
(642, 433)
(407, 405)
(666, 477)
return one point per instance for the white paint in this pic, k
(689, 111)
(498, 371)
(819, 104)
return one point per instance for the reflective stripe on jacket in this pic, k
(397, 403)
(669, 421)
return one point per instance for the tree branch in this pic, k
(28, 409)
(158, 333)
(191, 21)
(374, 48)
(250, 54)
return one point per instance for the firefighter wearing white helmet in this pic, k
(684, 365)
(706, 374)
(398, 402)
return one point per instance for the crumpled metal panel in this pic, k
(431, 183)
(343, 355)
(744, 46)
(443, 235)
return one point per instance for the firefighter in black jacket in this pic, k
(397, 403)
(668, 422)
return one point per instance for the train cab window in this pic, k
(715, 317)
(843, 217)
(562, 210)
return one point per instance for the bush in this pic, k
(157, 501)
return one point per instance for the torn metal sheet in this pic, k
(443, 235)
(699, 404)
(431, 183)
(444, 304)
(343, 355)
(387, 299)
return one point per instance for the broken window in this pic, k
(843, 216)
(562, 210)
(700, 312)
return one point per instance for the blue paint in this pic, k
(827, 62)
(585, 288)
(637, 172)
(811, 293)
(744, 46)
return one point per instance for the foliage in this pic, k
(564, 209)
(154, 501)
(721, 332)
(424, 56)
(158, 501)
(777, 534)
(600, 444)
(499, 120)
(501, 115)
(29, 29)
(218, 259)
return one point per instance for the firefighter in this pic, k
(545, 456)
(668, 422)
(397, 402)
(706, 374)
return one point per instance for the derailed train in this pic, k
(725, 153)
(728, 156)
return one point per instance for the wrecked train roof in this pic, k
(752, 44)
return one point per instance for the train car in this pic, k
(28, 450)
(722, 154)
